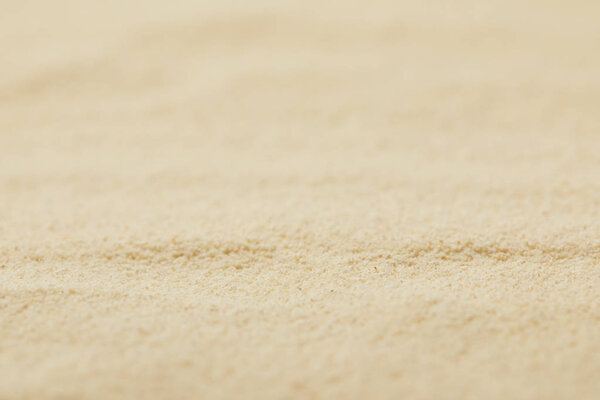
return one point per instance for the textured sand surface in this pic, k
(300, 200)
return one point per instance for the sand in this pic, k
(280, 200)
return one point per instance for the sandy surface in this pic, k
(300, 200)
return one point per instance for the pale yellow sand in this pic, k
(263, 200)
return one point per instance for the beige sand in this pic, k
(300, 200)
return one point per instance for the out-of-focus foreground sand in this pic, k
(300, 200)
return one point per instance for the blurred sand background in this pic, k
(329, 200)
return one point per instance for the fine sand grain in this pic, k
(274, 200)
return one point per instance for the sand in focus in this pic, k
(300, 200)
